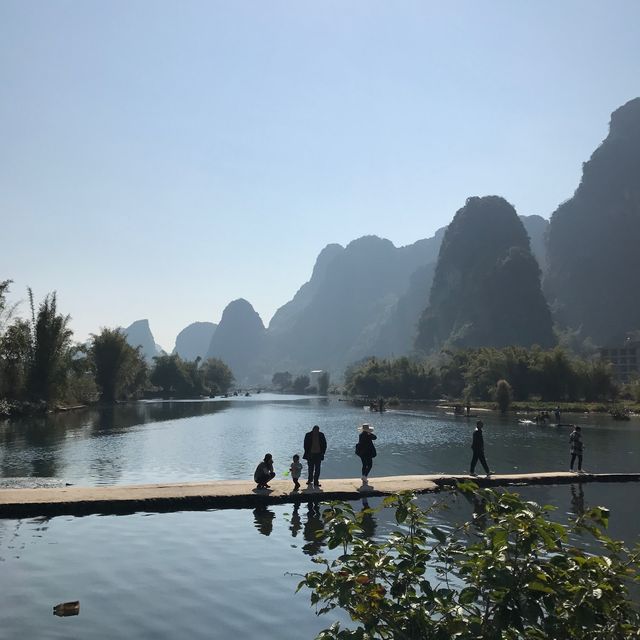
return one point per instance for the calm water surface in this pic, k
(222, 574)
(192, 441)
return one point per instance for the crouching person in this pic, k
(264, 472)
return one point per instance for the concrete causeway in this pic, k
(236, 494)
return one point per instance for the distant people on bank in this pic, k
(576, 447)
(557, 414)
(296, 471)
(381, 406)
(315, 446)
(477, 446)
(264, 472)
(366, 450)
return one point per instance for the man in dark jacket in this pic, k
(315, 446)
(477, 446)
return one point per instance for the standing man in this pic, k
(315, 446)
(575, 444)
(477, 446)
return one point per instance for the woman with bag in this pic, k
(365, 450)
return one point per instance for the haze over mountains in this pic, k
(475, 283)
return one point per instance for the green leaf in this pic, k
(468, 595)
(439, 535)
(539, 586)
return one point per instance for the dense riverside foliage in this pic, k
(41, 367)
(509, 573)
(549, 375)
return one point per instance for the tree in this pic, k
(50, 344)
(510, 573)
(282, 380)
(6, 311)
(300, 384)
(169, 375)
(402, 378)
(80, 384)
(15, 352)
(323, 383)
(503, 395)
(120, 370)
(217, 375)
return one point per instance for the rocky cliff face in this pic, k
(139, 334)
(194, 340)
(349, 309)
(486, 289)
(239, 341)
(536, 228)
(594, 238)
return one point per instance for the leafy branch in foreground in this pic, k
(510, 573)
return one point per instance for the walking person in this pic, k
(366, 450)
(315, 446)
(477, 446)
(575, 445)
(264, 472)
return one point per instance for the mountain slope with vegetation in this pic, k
(239, 340)
(486, 289)
(351, 305)
(594, 239)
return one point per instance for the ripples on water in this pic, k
(197, 575)
(195, 441)
(226, 574)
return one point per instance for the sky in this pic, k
(159, 159)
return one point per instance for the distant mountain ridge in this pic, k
(363, 299)
(340, 315)
(372, 298)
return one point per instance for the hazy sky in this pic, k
(160, 159)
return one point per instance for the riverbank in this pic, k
(529, 406)
(235, 494)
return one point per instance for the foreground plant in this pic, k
(509, 573)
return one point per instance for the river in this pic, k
(227, 573)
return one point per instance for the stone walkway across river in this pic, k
(235, 494)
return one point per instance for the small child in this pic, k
(296, 470)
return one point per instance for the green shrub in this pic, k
(510, 573)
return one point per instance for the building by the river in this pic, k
(624, 358)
